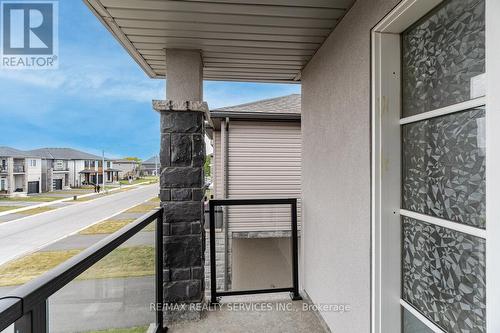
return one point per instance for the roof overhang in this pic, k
(240, 40)
(217, 116)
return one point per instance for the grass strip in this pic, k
(6, 208)
(142, 208)
(106, 227)
(32, 199)
(123, 262)
(142, 329)
(36, 210)
(29, 267)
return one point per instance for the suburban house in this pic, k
(20, 172)
(63, 168)
(130, 169)
(93, 172)
(256, 154)
(400, 186)
(150, 166)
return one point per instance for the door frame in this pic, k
(386, 165)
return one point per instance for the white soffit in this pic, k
(240, 40)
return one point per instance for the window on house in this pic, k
(33, 163)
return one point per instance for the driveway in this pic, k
(28, 234)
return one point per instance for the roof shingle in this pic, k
(284, 104)
(63, 154)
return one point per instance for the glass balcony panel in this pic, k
(443, 57)
(444, 167)
(253, 247)
(115, 295)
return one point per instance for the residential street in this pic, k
(28, 234)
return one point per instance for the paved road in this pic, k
(28, 234)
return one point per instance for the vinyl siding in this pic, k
(264, 162)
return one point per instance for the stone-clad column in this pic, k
(182, 156)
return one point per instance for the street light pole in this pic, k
(103, 170)
(156, 165)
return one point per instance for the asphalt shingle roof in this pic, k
(63, 154)
(11, 152)
(150, 160)
(284, 104)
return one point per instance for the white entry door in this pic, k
(430, 168)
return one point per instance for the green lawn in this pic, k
(155, 200)
(142, 208)
(106, 227)
(38, 198)
(122, 262)
(29, 267)
(34, 211)
(6, 208)
(140, 180)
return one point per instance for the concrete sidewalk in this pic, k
(67, 197)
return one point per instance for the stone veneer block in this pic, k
(181, 122)
(182, 211)
(182, 189)
(181, 149)
(181, 177)
(165, 150)
(182, 251)
(182, 194)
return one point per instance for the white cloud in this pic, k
(96, 81)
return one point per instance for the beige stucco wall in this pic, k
(336, 169)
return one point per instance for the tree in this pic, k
(208, 162)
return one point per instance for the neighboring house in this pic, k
(150, 166)
(257, 154)
(63, 168)
(93, 172)
(130, 169)
(20, 172)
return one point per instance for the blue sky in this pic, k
(99, 98)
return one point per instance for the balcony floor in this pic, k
(228, 320)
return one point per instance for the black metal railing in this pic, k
(26, 306)
(18, 168)
(213, 205)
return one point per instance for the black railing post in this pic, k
(213, 273)
(39, 318)
(23, 324)
(159, 272)
(295, 253)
